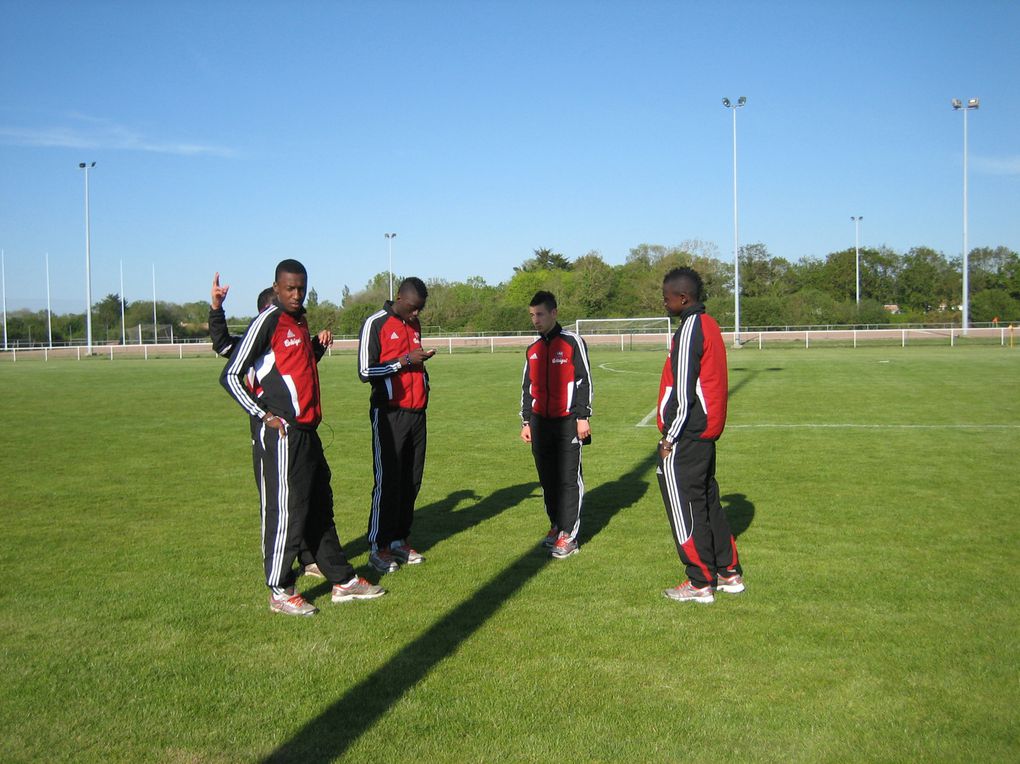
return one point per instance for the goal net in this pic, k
(636, 330)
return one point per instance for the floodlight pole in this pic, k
(3, 281)
(958, 105)
(155, 329)
(88, 261)
(389, 240)
(123, 329)
(736, 237)
(49, 311)
(857, 254)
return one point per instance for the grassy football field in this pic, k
(874, 493)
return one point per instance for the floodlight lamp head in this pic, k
(973, 103)
(81, 165)
(742, 100)
(726, 102)
(957, 103)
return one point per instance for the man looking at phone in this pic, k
(390, 356)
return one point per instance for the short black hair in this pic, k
(416, 284)
(290, 266)
(542, 297)
(686, 281)
(265, 297)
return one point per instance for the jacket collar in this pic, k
(690, 310)
(553, 333)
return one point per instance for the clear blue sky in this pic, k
(228, 136)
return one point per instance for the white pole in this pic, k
(972, 103)
(3, 277)
(49, 311)
(857, 254)
(736, 243)
(123, 327)
(736, 230)
(389, 240)
(966, 270)
(155, 331)
(88, 261)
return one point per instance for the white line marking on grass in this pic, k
(648, 418)
(607, 367)
(814, 426)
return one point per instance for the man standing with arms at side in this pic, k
(297, 502)
(555, 406)
(390, 356)
(692, 413)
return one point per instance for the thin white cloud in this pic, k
(996, 165)
(87, 132)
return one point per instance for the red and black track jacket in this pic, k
(278, 347)
(693, 388)
(385, 339)
(557, 379)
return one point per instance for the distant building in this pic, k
(892, 308)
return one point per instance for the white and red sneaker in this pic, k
(289, 603)
(688, 592)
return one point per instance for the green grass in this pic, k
(879, 624)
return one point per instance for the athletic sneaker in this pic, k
(290, 603)
(406, 556)
(688, 592)
(356, 589)
(312, 570)
(730, 584)
(550, 537)
(564, 547)
(383, 561)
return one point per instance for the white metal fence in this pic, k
(491, 343)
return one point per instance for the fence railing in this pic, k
(491, 343)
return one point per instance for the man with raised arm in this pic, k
(223, 343)
(556, 400)
(297, 501)
(691, 416)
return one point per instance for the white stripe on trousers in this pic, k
(580, 494)
(373, 518)
(681, 528)
(282, 497)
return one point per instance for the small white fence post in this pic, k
(855, 337)
(951, 340)
(903, 338)
(807, 340)
(79, 352)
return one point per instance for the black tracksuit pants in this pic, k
(557, 453)
(691, 495)
(398, 459)
(297, 506)
(304, 556)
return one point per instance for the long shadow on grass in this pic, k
(438, 521)
(330, 734)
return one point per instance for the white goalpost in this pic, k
(649, 329)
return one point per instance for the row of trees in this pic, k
(923, 283)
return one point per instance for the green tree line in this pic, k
(923, 283)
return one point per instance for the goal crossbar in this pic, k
(625, 326)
